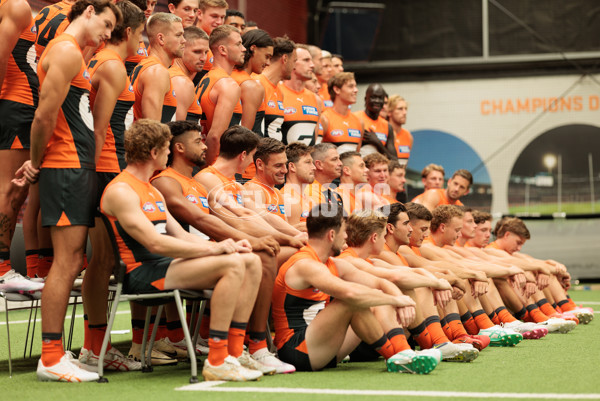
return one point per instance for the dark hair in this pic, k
(251, 24)
(464, 174)
(234, 13)
(142, 4)
(324, 217)
(99, 6)
(132, 17)
(267, 147)
(258, 38)
(416, 211)
(282, 45)
(237, 139)
(481, 217)
(192, 33)
(143, 136)
(219, 35)
(347, 155)
(392, 212)
(295, 150)
(177, 129)
(511, 225)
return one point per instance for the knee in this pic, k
(253, 265)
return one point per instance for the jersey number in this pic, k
(49, 31)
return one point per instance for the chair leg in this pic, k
(146, 367)
(159, 311)
(111, 321)
(37, 307)
(188, 341)
(72, 325)
(28, 327)
(201, 308)
(8, 339)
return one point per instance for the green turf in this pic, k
(559, 363)
(549, 208)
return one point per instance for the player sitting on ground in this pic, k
(314, 331)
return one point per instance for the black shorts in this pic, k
(292, 352)
(102, 181)
(147, 277)
(15, 124)
(67, 196)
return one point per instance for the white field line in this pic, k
(121, 312)
(212, 386)
(588, 303)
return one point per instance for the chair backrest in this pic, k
(120, 268)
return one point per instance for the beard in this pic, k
(336, 251)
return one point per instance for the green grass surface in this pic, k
(559, 363)
(549, 208)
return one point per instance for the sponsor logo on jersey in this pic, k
(142, 51)
(173, 93)
(148, 207)
(33, 29)
(239, 199)
(271, 104)
(192, 199)
(86, 75)
(290, 110)
(131, 88)
(305, 213)
(403, 149)
(282, 209)
(354, 133)
(310, 110)
(204, 202)
(280, 104)
(381, 136)
(328, 103)
(161, 206)
(211, 60)
(272, 208)
(337, 132)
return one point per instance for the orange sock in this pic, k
(565, 306)
(258, 341)
(469, 323)
(137, 330)
(456, 327)
(446, 329)
(175, 331)
(504, 315)
(437, 333)
(398, 339)
(4, 263)
(97, 333)
(494, 318)
(217, 347)
(87, 338)
(482, 320)
(570, 302)
(384, 347)
(237, 333)
(31, 261)
(546, 308)
(535, 315)
(52, 348)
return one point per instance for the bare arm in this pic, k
(430, 199)
(252, 95)
(224, 94)
(15, 17)
(109, 80)
(154, 84)
(184, 91)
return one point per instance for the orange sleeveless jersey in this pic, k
(324, 94)
(443, 198)
(493, 245)
(380, 127)
(195, 111)
(169, 103)
(233, 188)
(132, 252)
(402, 258)
(416, 250)
(193, 191)
(112, 157)
(343, 131)
(292, 194)
(351, 253)
(203, 93)
(429, 240)
(348, 197)
(274, 112)
(403, 142)
(301, 115)
(292, 309)
(241, 76)
(269, 198)
(21, 84)
(50, 22)
(131, 62)
(72, 144)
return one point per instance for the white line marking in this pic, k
(588, 303)
(211, 386)
(121, 312)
